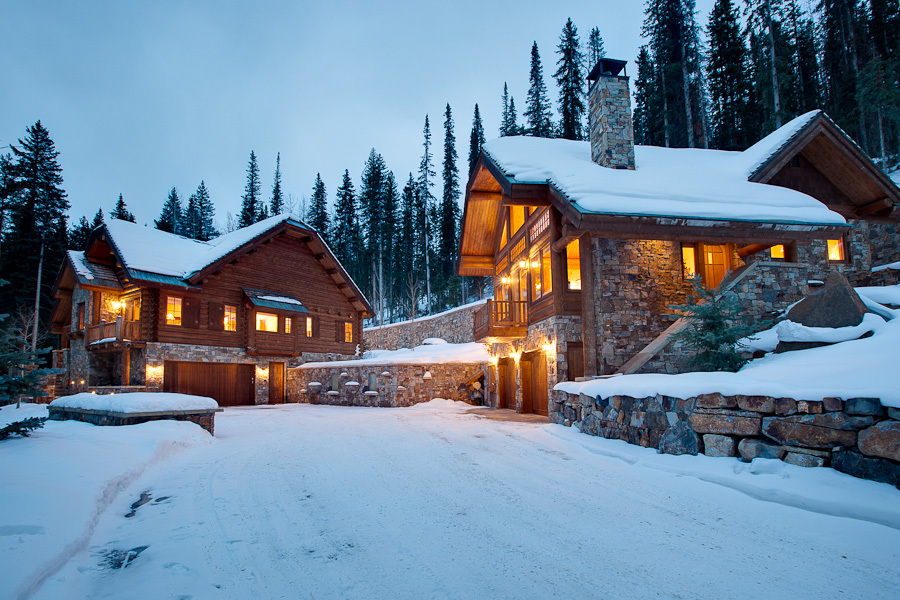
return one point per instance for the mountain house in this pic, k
(589, 243)
(142, 308)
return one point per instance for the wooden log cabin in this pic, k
(590, 243)
(143, 309)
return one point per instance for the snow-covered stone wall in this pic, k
(455, 326)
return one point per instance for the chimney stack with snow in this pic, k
(609, 103)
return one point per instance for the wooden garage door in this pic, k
(227, 384)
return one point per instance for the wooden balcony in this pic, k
(113, 332)
(501, 321)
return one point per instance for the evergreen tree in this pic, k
(880, 79)
(276, 206)
(98, 218)
(16, 381)
(504, 116)
(449, 216)
(250, 205)
(190, 218)
(514, 127)
(729, 85)
(121, 211)
(170, 218)
(426, 209)
(407, 276)
(570, 79)
(595, 49)
(79, 234)
(345, 233)
(206, 228)
(807, 94)
(476, 140)
(35, 241)
(317, 215)
(538, 112)
(649, 128)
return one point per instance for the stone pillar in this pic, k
(612, 130)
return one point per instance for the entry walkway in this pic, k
(506, 414)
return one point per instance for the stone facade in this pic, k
(394, 385)
(204, 418)
(857, 436)
(612, 131)
(455, 326)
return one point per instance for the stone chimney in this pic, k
(609, 103)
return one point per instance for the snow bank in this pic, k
(789, 331)
(58, 482)
(473, 352)
(136, 402)
(883, 294)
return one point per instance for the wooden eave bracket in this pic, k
(874, 207)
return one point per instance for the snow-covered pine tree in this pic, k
(276, 205)
(476, 140)
(345, 233)
(449, 217)
(729, 83)
(250, 204)
(170, 217)
(120, 211)
(569, 77)
(206, 229)
(538, 112)
(317, 217)
(98, 218)
(426, 196)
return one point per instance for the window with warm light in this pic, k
(546, 279)
(689, 261)
(541, 284)
(230, 320)
(516, 218)
(573, 265)
(309, 327)
(504, 237)
(536, 287)
(173, 311)
(348, 331)
(266, 322)
(836, 250)
(288, 324)
(777, 252)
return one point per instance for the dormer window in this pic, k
(266, 322)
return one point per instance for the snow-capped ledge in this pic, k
(136, 402)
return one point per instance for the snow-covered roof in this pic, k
(666, 182)
(150, 250)
(92, 273)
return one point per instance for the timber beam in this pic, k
(874, 207)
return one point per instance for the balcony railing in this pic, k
(501, 320)
(114, 331)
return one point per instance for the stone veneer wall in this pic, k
(455, 326)
(395, 384)
(857, 436)
(612, 130)
(204, 418)
(884, 240)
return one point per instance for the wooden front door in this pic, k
(506, 383)
(276, 383)
(535, 394)
(715, 262)
(228, 384)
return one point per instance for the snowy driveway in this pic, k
(321, 502)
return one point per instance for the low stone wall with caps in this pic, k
(204, 418)
(857, 436)
(456, 326)
(393, 385)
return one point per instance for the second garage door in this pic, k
(227, 384)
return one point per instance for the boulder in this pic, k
(718, 445)
(815, 431)
(726, 422)
(751, 448)
(679, 439)
(882, 440)
(804, 460)
(876, 469)
(864, 406)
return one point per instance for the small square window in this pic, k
(836, 251)
(230, 320)
(777, 252)
(173, 311)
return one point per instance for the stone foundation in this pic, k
(393, 385)
(204, 418)
(455, 326)
(857, 436)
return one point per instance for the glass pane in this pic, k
(836, 250)
(516, 219)
(173, 311)
(348, 332)
(545, 268)
(536, 288)
(308, 326)
(689, 260)
(777, 252)
(288, 322)
(266, 322)
(230, 318)
(504, 237)
(573, 265)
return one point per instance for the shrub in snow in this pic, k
(23, 427)
(718, 324)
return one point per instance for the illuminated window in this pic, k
(348, 331)
(523, 283)
(266, 322)
(309, 330)
(545, 271)
(836, 250)
(540, 274)
(777, 252)
(573, 265)
(173, 311)
(288, 323)
(230, 320)
(516, 218)
(689, 261)
(504, 237)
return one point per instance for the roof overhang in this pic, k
(274, 300)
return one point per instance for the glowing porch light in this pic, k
(505, 280)
(516, 355)
(549, 348)
(523, 264)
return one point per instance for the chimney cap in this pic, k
(608, 67)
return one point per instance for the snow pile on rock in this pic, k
(135, 402)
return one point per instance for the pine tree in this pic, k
(317, 215)
(476, 140)
(345, 233)
(504, 117)
(206, 228)
(190, 218)
(771, 60)
(538, 112)
(16, 382)
(595, 49)
(121, 211)
(729, 85)
(449, 215)
(407, 274)
(250, 205)
(880, 79)
(98, 219)
(648, 102)
(569, 77)
(170, 218)
(426, 183)
(276, 206)
(35, 240)
(79, 234)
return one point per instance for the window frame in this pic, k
(256, 322)
(174, 301)
(225, 320)
(845, 259)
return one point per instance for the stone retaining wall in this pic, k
(857, 436)
(382, 385)
(204, 418)
(455, 326)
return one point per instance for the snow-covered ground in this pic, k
(302, 501)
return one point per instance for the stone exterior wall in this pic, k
(884, 239)
(205, 419)
(392, 385)
(858, 251)
(612, 131)
(857, 436)
(455, 326)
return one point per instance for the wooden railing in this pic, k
(499, 314)
(117, 330)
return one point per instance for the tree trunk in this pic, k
(688, 113)
(775, 95)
